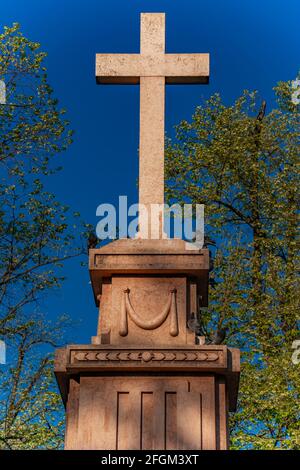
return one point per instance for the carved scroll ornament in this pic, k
(150, 324)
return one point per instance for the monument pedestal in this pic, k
(144, 383)
(142, 398)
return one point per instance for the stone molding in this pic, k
(75, 360)
(145, 356)
(105, 358)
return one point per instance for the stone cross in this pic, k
(152, 69)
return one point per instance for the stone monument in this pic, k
(144, 383)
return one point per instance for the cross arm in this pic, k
(186, 68)
(118, 68)
(128, 68)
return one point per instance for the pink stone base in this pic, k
(138, 398)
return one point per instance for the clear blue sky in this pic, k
(252, 43)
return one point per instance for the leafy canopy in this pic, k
(37, 234)
(243, 164)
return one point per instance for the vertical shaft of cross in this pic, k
(152, 69)
(152, 119)
(151, 152)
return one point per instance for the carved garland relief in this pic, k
(170, 310)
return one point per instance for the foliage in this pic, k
(31, 410)
(243, 164)
(35, 240)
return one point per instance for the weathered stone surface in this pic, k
(173, 68)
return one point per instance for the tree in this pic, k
(35, 240)
(31, 410)
(243, 164)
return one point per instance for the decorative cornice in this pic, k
(155, 357)
(145, 356)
